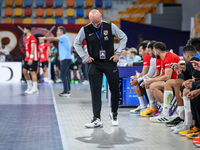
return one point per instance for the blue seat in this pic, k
(28, 3)
(71, 21)
(0, 2)
(79, 12)
(79, 3)
(108, 3)
(0, 12)
(98, 3)
(39, 3)
(58, 3)
(59, 21)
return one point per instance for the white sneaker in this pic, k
(178, 126)
(183, 128)
(161, 118)
(33, 91)
(28, 89)
(95, 123)
(114, 120)
(137, 110)
(85, 82)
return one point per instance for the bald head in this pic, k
(95, 18)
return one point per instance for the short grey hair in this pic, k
(62, 29)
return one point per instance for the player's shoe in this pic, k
(137, 110)
(196, 139)
(192, 130)
(33, 91)
(28, 89)
(194, 135)
(149, 112)
(197, 144)
(44, 83)
(175, 122)
(95, 123)
(65, 94)
(161, 118)
(114, 120)
(178, 126)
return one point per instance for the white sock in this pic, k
(167, 101)
(152, 100)
(188, 114)
(142, 101)
(35, 85)
(181, 112)
(29, 83)
(45, 79)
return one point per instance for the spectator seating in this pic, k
(70, 3)
(18, 12)
(49, 21)
(70, 12)
(80, 21)
(79, 3)
(87, 12)
(0, 12)
(7, 20)
(28, 12)
(58, 3)
(71, 21)
(9, 2)
(17, 20)
(18, 2)
(49, 12)
(28, 3)
(39, 21)
(59, 21)
(27, 21)
(108, 3)
(98, 3)
(39, 3)
(0, 2)
(88, 21)
(58, 12)
(39, 12)
(89, 3)
(79, 12)
(8, 11)
(100, 10)
(49, 3)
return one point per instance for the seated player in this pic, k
(157, 84)
(44, 51)
(134, 81)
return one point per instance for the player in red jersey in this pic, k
(30, 61)
(44, 51)
(157, 84)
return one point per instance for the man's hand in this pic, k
(115, 58)
(191, 95)
(195, 64)
(90, 59)
(182, 66)
(130, 63)
(188, 83)
(142, 84)
(147, 80)
(30, 62)
(176, 67)
(181, 94)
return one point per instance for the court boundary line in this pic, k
(62, 133)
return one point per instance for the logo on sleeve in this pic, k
(105, 32)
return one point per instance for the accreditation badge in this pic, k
(102, 54)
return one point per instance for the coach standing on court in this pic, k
(64, 47)
(101, 59)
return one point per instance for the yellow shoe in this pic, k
(149, 112)
(190, 131)
(193, 136)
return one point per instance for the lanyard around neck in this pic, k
(100, 34)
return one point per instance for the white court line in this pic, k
(62, 134)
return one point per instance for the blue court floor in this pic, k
(49, 122)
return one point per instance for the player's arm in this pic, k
(157, 73)
(145, 70)
(32, 54)
(49, 51)
(50, 38)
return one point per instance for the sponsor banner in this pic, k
(10, 72)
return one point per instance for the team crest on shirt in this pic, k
(105, 32)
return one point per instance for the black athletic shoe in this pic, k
(175, 122)
(65, 94)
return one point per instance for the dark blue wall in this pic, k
(172, 38)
